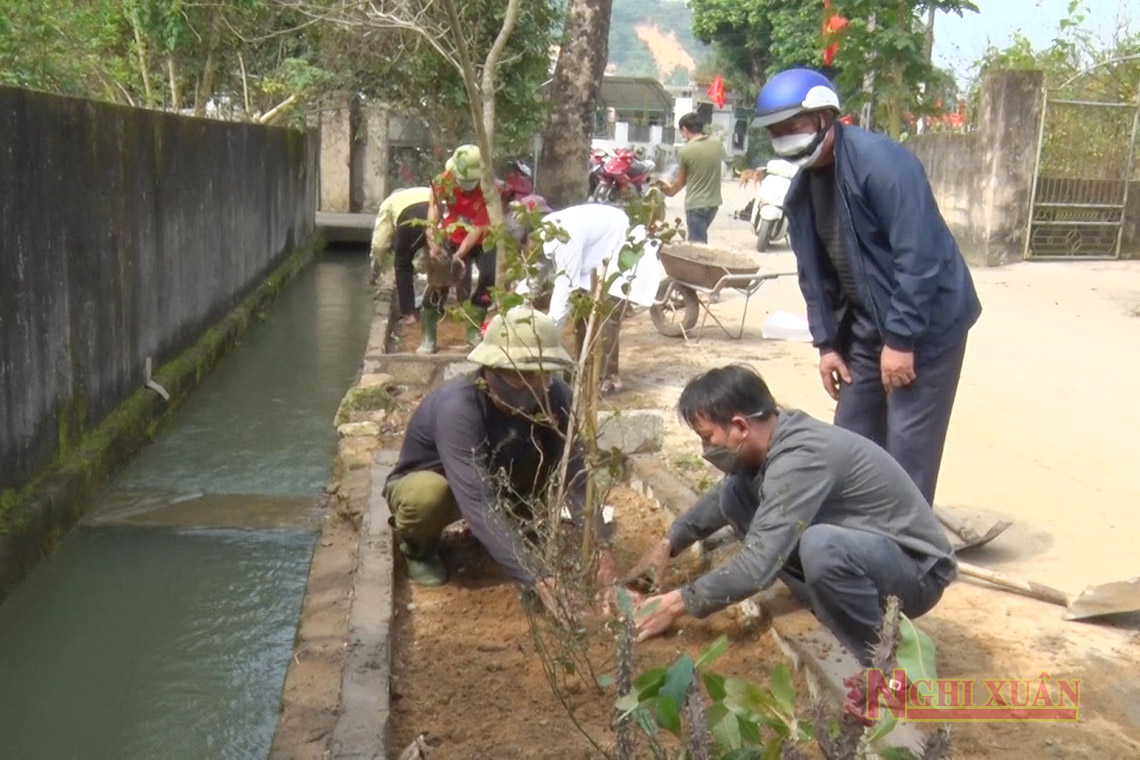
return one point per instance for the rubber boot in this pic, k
(429, 321)
(425, 567)
(475, 317)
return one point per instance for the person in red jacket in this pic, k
(458, 217)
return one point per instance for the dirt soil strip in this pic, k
(467, 672)
(362, 727)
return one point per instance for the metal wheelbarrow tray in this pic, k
(696, 275)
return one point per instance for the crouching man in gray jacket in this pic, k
(822, 508)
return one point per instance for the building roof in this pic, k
(634, 93)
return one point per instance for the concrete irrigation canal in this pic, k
(163, 624)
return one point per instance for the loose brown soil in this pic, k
(715, 256)
(451, 336)
(1108, 690)
(467, 674)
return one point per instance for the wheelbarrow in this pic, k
(695, 278)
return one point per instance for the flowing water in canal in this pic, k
(162, 626)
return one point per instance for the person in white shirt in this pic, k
(596, 236)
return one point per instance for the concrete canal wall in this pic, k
(125, 235)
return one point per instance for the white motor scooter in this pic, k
(768, 220)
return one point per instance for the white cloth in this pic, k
(597, 235)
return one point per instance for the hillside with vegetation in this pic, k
(654, 38)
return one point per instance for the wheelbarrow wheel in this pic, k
(677, 315)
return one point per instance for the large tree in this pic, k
(563, 164)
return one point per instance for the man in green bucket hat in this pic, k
(485, 446)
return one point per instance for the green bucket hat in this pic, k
(466, 163)
(525, 340)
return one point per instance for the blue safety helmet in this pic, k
(792, 92)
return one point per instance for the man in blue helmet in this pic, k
(889, 296)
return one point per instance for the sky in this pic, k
(959, 42)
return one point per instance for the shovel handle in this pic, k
(955, 525)
(1031, 588)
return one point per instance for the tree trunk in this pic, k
(244, 88)
(275, 113)
(175, 97)
(759, 61)
(928, 94)
(594, 347)
(140, 44)
(481, 102)
(563, 165)
(866, 113)
(928, 42)
(206, 83)
(382, 149)
(357, 150)
(490, 65)
(895, 104)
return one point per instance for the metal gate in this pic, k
(1086, 151)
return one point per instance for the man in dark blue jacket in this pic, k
(889, 297)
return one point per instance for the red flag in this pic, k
(832, 24)
(716, 91)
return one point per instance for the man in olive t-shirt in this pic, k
(701, 158)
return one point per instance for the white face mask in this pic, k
(787, 146)
(790, 145)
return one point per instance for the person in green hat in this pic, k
(458, 217)
(398, 236)
(486, 441)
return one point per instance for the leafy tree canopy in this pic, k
(1079, 141)
(754, 39)
(883, 60)
(242, 57)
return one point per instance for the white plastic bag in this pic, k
(783, 325)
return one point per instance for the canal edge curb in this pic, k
(33, 520)
(320, 701)
(809, 647)
(361, 729)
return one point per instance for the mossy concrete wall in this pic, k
(124, 234)
(33, 518)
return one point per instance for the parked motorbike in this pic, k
(598, 158)
(767, 218)
(518, 181)
(623, 172)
